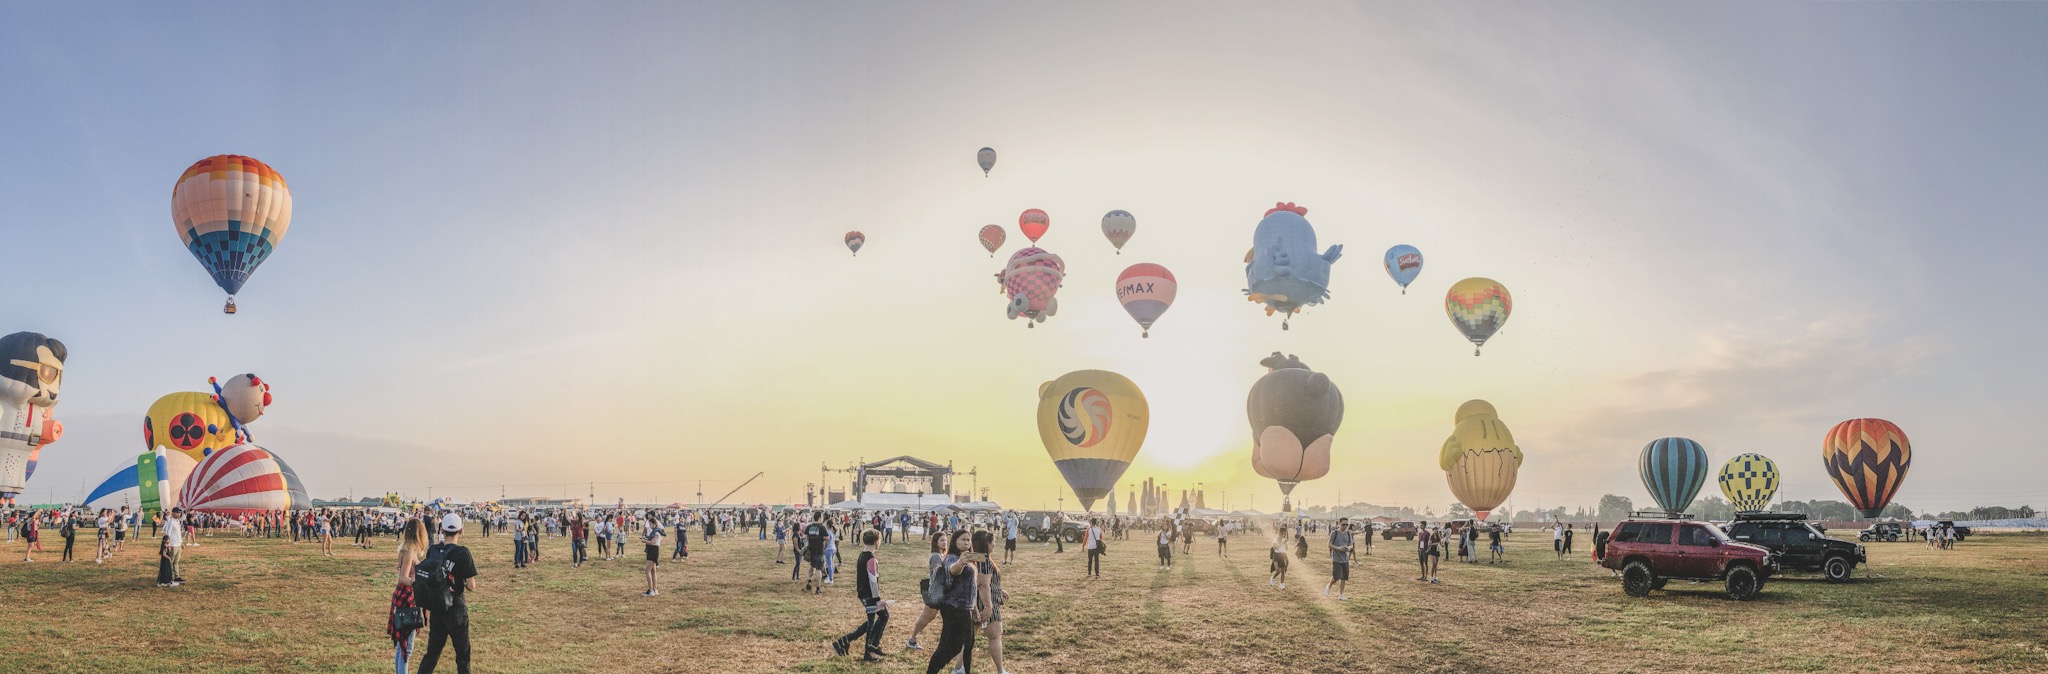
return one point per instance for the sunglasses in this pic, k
(48, 373)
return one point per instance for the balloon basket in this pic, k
(230, 308)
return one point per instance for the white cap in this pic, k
(451, 523)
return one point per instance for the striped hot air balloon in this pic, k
(1092, 423)
(231, 212)
(1673, 470)
(243, 479)
(1749, 481)
(1867, 458)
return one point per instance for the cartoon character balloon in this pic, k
(854, 240)
(1294, 414)
(1146, 291)
(1404, 263)
(1092, 423)
(31, 376)
(1480, 459)
(1030, 280)
(1673, 469)
(986, 157)
(199, 424)
(1478, 307)
(1867, 458)
(1749, 481)
(231, 212)
(1283, 270)
(148, 483)
(1118, 226)
(245, 396)
(992, 237)
(243, 479)
(1033, 223)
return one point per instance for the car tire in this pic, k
(1636, 579)
(1837, 569)
(1743, 583)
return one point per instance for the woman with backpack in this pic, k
(990, 590)
(959, 607)
(412, 544)
(931, 568)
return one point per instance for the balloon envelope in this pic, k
(1403, 263)
(1146, 291)
(1868, 459)
(992, 237)
(1294, 414)
(1673, 469)
(1092, 423)
(1480, 459)
(1033, 223)
(986, 158)
(1749, 481)
(1478, 307)
(854, 240)
(1031, 279)
(166, 472)
(31, 380)
(231, 212)
(243, 479)
(1283, 270)
(1118, 226)
(189, 422)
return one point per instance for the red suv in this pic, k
(1652, 550)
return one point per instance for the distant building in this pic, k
(902, 475)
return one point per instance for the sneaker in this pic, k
(871, 657)
(839, 646)
(912, 645)
(176, 583)
(1340, 596)
(1283, 586)
(1326, 590)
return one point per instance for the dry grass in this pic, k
(264, 606)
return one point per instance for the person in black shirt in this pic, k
(814, 549)
(452, 624)
(868, 587)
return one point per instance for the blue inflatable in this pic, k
(1283, 270)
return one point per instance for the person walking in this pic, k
(814, 552)
(1095, 547)
(1423, 549)
(1010, 539)
(1498, 553)
(1165, 548)
(1222, 539)
(579, 541)
(412, 545)
(519, 543)
(1567, 542)
(959, 612)
(1276, 566)
(451, 625)
(653, 540)
(683, 538)
(938, 557)
(31, 537)
(1557, 539)
(69, 530)
(989, 588)
(868, 588)
(105, 525)
(1340, 557)
(781, 539)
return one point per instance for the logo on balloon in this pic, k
(187, 431)
(1084, 416)
(1408, 261)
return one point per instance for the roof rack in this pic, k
(1658, 515)
(1756, 515)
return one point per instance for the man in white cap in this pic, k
(451, 624)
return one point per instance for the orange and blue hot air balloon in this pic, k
(231, 212)
(1867, 458)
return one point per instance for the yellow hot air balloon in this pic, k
(1480, 459)
(1092, 423)
(190, 422)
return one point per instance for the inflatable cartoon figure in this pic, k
(1031, 279)
(199, 424)
(31, 372)
(1283, 271)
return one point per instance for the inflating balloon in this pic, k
(1480, 459)
(245, 396)
(1283, 270)
(1673, 469)
(854, 240)
(243, 479)
(1294, 414)
(31, 375)
(1868, 459)
(1118, 226)
(1478, 307)
(1404, 263)
(231, 211)
(992, 237)
(1033, 223)
(189, 422)
(1030, 280)
(1092, 423)
(1146, 291)
(987, 159)
(147, 483)
(1749, 481)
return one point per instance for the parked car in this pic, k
(1031, 525)
(1402, 529)
(1650, 550)
(1798, 545)
(1881, 531)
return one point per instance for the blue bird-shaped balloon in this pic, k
(1283, 270)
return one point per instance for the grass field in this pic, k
(265, 606)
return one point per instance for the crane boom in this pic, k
(737, 489)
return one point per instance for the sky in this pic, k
(544, 249)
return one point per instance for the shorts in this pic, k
(1557, 545)
(1010, 544)
(1498, 548)
(1279, 560)
(1340, 570)
(654, 554)
(817, 559)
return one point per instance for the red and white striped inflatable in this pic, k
(240, 479)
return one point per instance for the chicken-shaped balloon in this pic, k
(1283, 270)
(31, 373)
(199, 424)
(1294, 414)
(1030, 280)
(1480, 459)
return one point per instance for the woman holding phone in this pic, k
(960, 612)
(931, 566)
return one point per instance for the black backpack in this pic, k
(433, 579)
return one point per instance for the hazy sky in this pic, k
(564, 243)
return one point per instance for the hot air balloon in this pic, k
(1480, 459)
(1146, 291)
(243, 479)
(1404, 263)
(1283, 270)
(1030, 280)
(1033, 223)
(1478, 307)
(986, 157)
(1867, 458)
(148, 483)
(31, 375)
(992, 237)
(854, 240)
(231, 211)
(245, 397)
(191, 422)
(1294, 414)
(1118, 226)
(1673, 470)
(1749, 481)
(1092, 423)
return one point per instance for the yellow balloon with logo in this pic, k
(190, 422)
(1480, 459)
(1092, 423)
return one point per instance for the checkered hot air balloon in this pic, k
(231, 212)
(1478, 307)
(1867, 458)
(1673, 469)
(992, 237)
(1749, 481)
(1118, 226)
(1030, 280)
